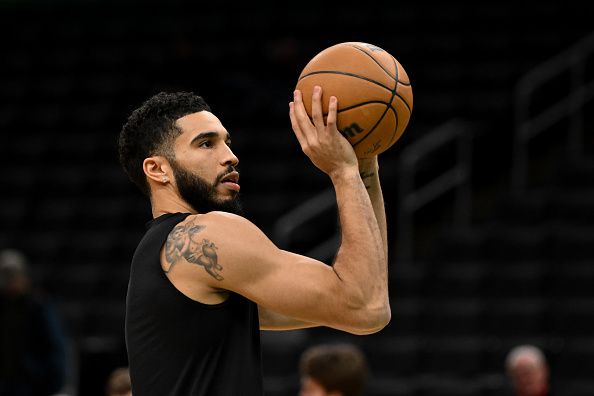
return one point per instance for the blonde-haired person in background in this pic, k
(527, 368)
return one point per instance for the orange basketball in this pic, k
(374, 94)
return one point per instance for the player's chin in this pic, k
(226, 194)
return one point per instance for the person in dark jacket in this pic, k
(32, 345)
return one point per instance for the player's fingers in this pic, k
(316, 108)
(332, 113)
(295, 125)
(305, 125)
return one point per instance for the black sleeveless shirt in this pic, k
(178, 346)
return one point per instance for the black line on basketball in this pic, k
(375, 60)
(373, 128)
(396, 65)
(403, 101)
(391, 99)
(396, 73)
(345, 74)
(388, 105)
(363, 103)
(390, 142)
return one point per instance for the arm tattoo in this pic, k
(183, 243)
(366, 175)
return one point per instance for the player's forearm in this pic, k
(270, 320)
(360, 262)
(369, 171)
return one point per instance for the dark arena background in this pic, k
(489, 193)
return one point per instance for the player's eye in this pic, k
(206, 143)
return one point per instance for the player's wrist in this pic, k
(344, 174)
(368, 164)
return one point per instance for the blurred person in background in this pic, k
(118, 383)
(528, 371)
(32, 347)
(333, 370)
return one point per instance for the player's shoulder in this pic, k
(230, 232)
(218, 217)
(218, 221)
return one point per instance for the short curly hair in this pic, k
(151, 129)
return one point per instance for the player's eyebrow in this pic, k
(208, 135)
(204, 135)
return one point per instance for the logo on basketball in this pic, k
(373, 48)
(351, 130)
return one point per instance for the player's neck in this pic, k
(167, 203)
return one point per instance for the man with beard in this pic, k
(204, 280)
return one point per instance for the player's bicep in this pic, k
(290, 284)
(284, 282)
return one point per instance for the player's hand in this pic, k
(321, 142)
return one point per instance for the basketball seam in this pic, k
(363, 103)
(390, 142)
(395, 74)
(375, 126)
(395, 77)
(346, 74)
(397, 80)
(403, 101)
(375, 60)
(388, 105)
(394, 93)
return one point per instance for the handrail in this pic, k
(412, 199)
(528, 127)
(286, 225)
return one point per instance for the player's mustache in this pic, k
(230, 169)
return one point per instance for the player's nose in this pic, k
(228, 157)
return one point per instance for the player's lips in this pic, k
(231, 181)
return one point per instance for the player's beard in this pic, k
(201, 195)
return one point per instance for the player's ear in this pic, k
(157, 169)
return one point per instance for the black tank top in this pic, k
(178, 346)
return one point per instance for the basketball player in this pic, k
(204, 280)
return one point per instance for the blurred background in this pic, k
(489, 193)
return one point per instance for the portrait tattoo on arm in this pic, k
(182, 242)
